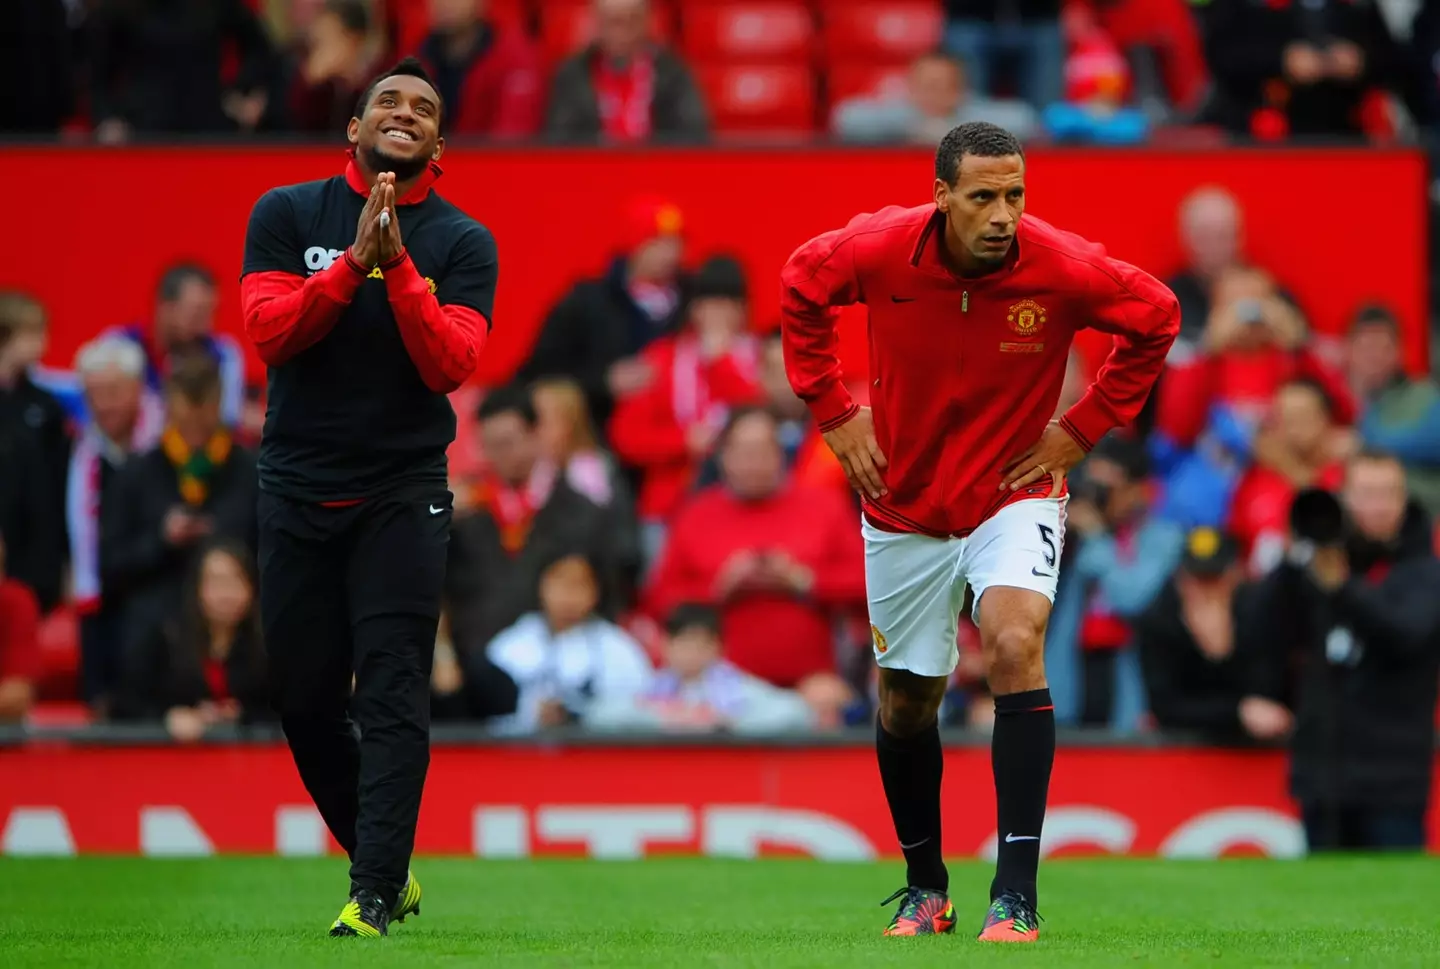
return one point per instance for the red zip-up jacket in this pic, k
(967, 372)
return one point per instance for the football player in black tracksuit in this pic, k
(369, 297)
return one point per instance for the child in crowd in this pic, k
(697, 690)
(566, 659)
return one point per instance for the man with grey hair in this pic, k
(123, 417)
(186, 299)
(1212, 235)
(1211, 228)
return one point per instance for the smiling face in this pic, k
(982, 210)
(399, 129)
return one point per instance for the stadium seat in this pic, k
(567, 25)
(754, 31)
(849, 80)
(760, 97)
(881, 31)
(59, 641)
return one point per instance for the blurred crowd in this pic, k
(639, 71)
(650, 533)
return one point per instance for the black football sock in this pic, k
(910, 769)
(1021, 753)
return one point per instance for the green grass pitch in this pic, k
(113, 913)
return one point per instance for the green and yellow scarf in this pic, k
(195, 469)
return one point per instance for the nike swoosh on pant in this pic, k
(905, 847)
(1021, 837)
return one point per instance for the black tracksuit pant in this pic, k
(356, 589)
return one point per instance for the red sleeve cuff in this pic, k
(1087, 422)
(355, 267)
(401, 276)
(833, 407)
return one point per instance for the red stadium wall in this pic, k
(91, 228)
(622, 802)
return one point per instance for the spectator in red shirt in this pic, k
(1210, 407)
(1297, 447)
(19, 648)
(779, 561)
(667, 429)
(625, 88)
(1254, 340)
(488, 74)
(205, 666)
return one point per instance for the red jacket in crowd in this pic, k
(651, 429)
(780, 637)
(1260, 510)
(967, 372)
(1244, 381)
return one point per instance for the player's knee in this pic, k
(907, 712)
(1017, 660)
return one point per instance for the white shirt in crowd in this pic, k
(593, 662)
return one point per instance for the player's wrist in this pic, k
(354, 263)
(1084, 442)
(395, 261)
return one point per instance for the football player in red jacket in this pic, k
(972, 309)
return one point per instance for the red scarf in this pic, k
(217, 679)
(624, 94)
(514, 509)
(690, 394)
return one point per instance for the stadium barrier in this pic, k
(629, 799)
(559, 214)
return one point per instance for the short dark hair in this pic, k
(942, 55)
(408, 67)
(979, 138)
(693, 615)
(194, 377)
(19, 311)
(353, 15)
(177, 275)
(512, 399)
(739, 414)
(1375, 316)
(1126, 453)
(1327, 399)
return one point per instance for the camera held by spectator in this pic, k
(1249, 313)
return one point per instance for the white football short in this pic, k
(916, 583)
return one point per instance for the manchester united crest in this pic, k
(879, 637)
(1026, 317)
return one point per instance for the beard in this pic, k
(404, 168)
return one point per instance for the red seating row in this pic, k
(751, 98)
(772, 31)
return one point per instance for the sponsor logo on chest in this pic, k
(318, 259)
